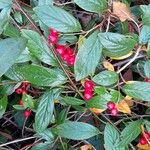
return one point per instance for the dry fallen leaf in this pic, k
(143, 147)
(129, 101)
(108, 66)
(122, 11)
(96, 110)
(124, 107)
(86, 147)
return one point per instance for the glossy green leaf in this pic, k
(38, 48)
(146, 13)
(88, 57)
(97, 6)
(45, 2)
(45, 109)
(76, 130)
(130, 132)
(106, 78)
(73, 101)
(3, 105)
(5, 3)
(144, 34)
(116, 96)
(138, 90)
(41, 76)
(99, 101)
(57, 18)
(42, 146)
(116, 45)
(147, 69)
(10, 49)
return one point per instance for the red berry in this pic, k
(88, 84)
(71, 60)
(88, 95)
(53, 31)
(147, 80)
(70, 51)
(114, 112)
(146, 134)
(18, 91)
(143, 141)
(111, 105)
(27, 113)
(53, 38)
(60, 49)
(20, 102)
(24, 91)
(25, 83)
(65, 56)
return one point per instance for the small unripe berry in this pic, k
(27, 113)
(143, 141)
(114, 112)
(111, 105)
(60, 49)
(20, 102)
(88, 84)
(88, 95)
(18, 91)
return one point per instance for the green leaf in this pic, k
(45, 109)
(45, 2)
(76, 130)
(138, 90)
(3, 105)
(116, 96)
(97, 6)
(147, 125)
(18, 107)
(61, 116)
(88, 57)
(41, 76)
(111, 136)
(99, 101)
(38, 48)
(130, 132)
(73, 101)
(10, 49)
(144, 34)
(116, 45)
(146, 13)
(147, 69)
(42, 146)
(57, 18)
(4, 3)
(106, 78)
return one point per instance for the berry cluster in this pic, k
(88, 89)
(66, 54)
(23, 90)
(111, 106)
(144, 138)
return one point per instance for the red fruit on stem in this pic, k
(60, 49)
(88, 95)
(27, 113)
(71, 60)
(146, 134)
(18, 91)
(147, 80)
(70, 51)
(114, 112)
(53, 38)
(25, 83)
(111, 105)
(143, 141)
(20, 102)
(65, 56)
(24, 91)
(53, 31)
(88, 84)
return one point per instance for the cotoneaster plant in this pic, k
(75, 74)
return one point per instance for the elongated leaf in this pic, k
(57, 18)
(3, 105)
(147, 69)
(4, 3)
(116, 45)
(45, 109)
(42, 146)
(45, 2)
(10, 49)
(97, 6)
(38, 48)
(41, 76)
(129, 133)
(106, 78)
(138, 90)
(73, 101)
(76, 130)
(111, 137)
(88, 57)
